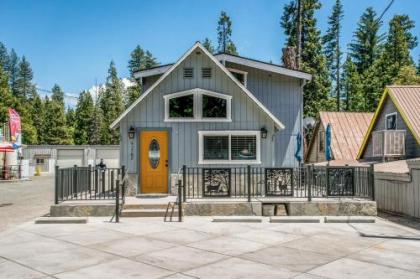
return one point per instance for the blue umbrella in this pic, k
(298, 147)
(328, 142)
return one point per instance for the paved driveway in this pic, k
(197, 248)
(24, 201)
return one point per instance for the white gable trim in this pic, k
(278, 123)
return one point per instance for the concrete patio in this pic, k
(197, 248)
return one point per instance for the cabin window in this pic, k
(241, 76)
(214, 107)
(181, 107)
(391, 121)
(197, 105)
(206, 72)
(229, 147)
(188, 72)
(321, 140)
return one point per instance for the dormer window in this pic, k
(197, 105)
(241, 76)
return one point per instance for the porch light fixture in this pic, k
(131, 133)
(264, 133)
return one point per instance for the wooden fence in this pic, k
(399, 193)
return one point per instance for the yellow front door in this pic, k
(154, 161)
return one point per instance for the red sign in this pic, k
(15, 128)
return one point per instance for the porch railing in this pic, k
(87, 183)
(248, 182)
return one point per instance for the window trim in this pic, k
(201, 135)
(198, 106)
(245, 73)
(386, 121)
(321, 138)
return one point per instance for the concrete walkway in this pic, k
(198, 248)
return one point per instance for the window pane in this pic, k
(240, 77)
(181, 106)
(321, 136)
(216, 147)
(214, 107)
(244, 147)
(391, 122)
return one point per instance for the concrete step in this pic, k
(349, 219)
(237, 219)
(146, 213)
(146, 206)
(151, 196)
(61, 220)
(295, 219)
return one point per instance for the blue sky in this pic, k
(72, 42)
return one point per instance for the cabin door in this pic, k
(154, 162)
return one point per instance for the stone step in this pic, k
(146, 206)
(349, 219)
(61, 220)
(146, 213)
(237, 219)
(295, 219)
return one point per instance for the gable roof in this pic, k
(277, 122)
(406, 99)
(348, 130)
(257, 64)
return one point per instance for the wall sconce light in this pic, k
(264, 133)
(131, 133)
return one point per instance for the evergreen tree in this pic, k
(132, 94)
(56, 131)
(137, 61)
(83, 118)
(418, 66)
(6, 97)
(208, 45)
(112, 105)
(38, 117)
(224, 32)
(365, 48)
(24, 89)
(407, 76)
(71, 122)
(352, 85)
(13, 70)
(149, 60)
(333, 52)
(4, 58)
(95, 126)
(57, 94)
(316, 91)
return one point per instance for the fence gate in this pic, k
(216, 182)
(279, 181)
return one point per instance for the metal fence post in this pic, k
(117, 202)
(372, 180)
(179, 200)
(327, 178)
(184, 182)
(56, 185)
(75, 181)
(90, 179)
(248, 174)
(122, 172)
(311, 175)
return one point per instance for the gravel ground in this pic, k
(25, 200)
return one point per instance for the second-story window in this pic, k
(240, 75)
(391, 121)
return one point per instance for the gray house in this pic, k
(394, 132)
(210, 110)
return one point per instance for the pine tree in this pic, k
(137, 61)
(56, 131)
(207, 44)
(366, 46)
(38, 118)
(13, 70)
(132, 94)
(6, 97)
(149, 60)
(24, 88)
(111, 104)
(83, 118)
(95, 126)
(418, 66)
(4, 58)
(224, 32)
(316, 92)
(352, 86)
(333, 52)
(407, 76)
(71, 122)
(57, 94)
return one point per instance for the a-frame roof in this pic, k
(198, 45)
(406, 99)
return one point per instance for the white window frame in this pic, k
(229, 161)
(240, 72)
(386, 120)
(198, 107)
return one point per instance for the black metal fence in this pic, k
(11, 172)
(87, 183)
(308, 181)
